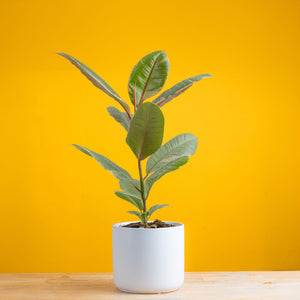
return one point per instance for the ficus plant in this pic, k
(145, 129)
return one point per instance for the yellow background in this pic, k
(238, 196)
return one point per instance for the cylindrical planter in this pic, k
(148, 260)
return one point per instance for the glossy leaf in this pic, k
(171, 166)
(107, 164)
(120, 117)
(83, 150)
(96, 80)
(155, 208)
(146, 130)
(143, 216)
(136, 213)
(182, 145)
(177, 90)
(131, 188)
(148, 76)
(133, 200)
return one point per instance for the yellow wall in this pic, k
(239, 195)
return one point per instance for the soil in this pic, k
(153, 224)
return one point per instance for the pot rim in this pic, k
(176, 225)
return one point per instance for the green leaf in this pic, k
(133, 212)
(107, 164)
(131, 188)
(83, 150)
(137, 213)
(177, 89)
(96, 80)
(156, 207)
(146, 130)
(143, 216)
(148, 76)
(182, 145)
(169, 167)
(120, 117)
(135, 201)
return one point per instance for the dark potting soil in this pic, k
(153, 224)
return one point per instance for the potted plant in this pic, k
(148, 257)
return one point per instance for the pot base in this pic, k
(149, 292)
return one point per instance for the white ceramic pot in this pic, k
(148, 260)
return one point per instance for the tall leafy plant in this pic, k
(145, 129)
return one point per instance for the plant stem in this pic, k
(128, 114)
(142, 191)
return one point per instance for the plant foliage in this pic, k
(145, 129)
